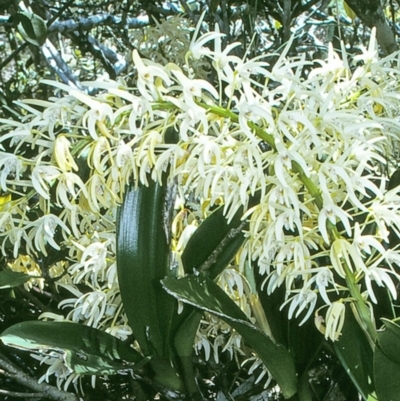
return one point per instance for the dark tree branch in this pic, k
(187, 9)
(301, 8)
(86, 24)
(113, 63)
(286, 19)
(371, 14)
(5, 20)
(13, 55)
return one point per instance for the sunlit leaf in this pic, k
(142, 261)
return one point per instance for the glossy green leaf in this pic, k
(88, 350)
(142, 261)
(355, 354)
(9, 278)
(387, 362)
(204, 294)
(213, 244)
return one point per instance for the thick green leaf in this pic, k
(355, 354)
(142, 261)
(88, 350)
(387, 363)
(9, 278)
(204, 294)
(214, 243)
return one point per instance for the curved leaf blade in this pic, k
(88, 350)
(204, 294)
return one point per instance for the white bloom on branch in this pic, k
(43, 230)
(67, 186)
(328, 214)
(322, 279)
(334, 318)
(253, 109)
(192, 88)
(383, 278)
(11, 169)
(366, 243)
(42, 177)
(148, 72)
(196, 47)
(62, 154)
(305, 300)
(99, 112)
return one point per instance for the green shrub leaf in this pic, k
(32, 27)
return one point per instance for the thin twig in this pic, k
(13, 55)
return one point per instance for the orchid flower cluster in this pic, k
(306, 152)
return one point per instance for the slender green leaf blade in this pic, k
(9, 278)
(88, 350)
(204, 294)
(211, 248)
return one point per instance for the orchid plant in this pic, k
(270, 186)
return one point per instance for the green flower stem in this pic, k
(311, 187)
(220, 111)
